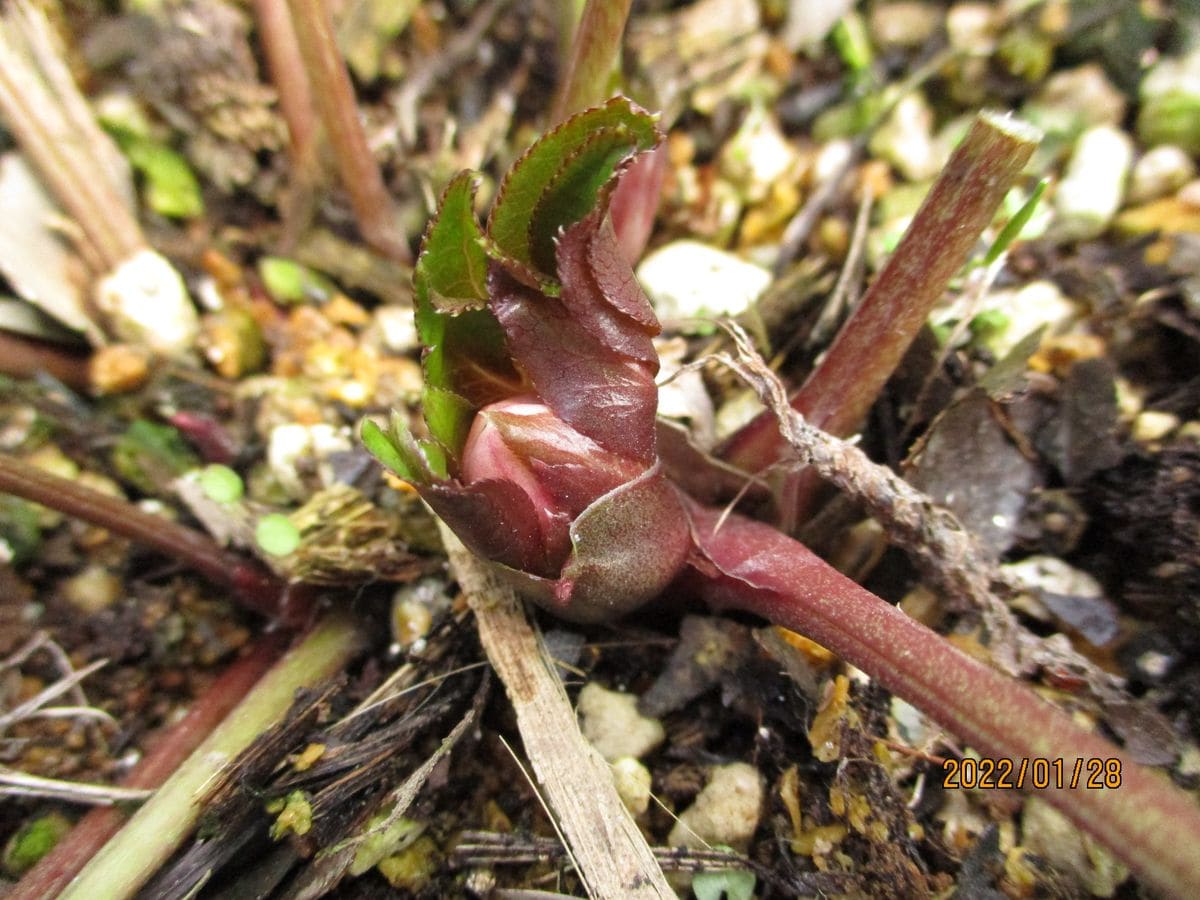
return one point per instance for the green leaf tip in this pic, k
(451, 271)
(558, 179)
(1012, 230)
(396, 449)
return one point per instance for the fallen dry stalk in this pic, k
(615, 862)
(152, 834)
(944, 548)
(54, 870)
(51, 120)
(21, 784)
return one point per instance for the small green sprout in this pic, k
(221, 484)
(276, 534)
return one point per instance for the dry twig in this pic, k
(19, 784)
(613, 857)
(949, 554)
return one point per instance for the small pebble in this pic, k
(1037, 304)
(1170, 101)
(232, 342)
(118, 369)
(809, 23)
(1074, 99)
(1092, 189)
(397, 328)
(903, 24)
(146, 303)
(971, 27)
(632, 780)
(1189, 194)
(757, 156)
(906, 139)
(725, 812)
(1049, 834)
(1153, 425)
(687, 279)
(1161, 171)
(92, 590)
(1190, 431)
(611, 722)
(292, 443)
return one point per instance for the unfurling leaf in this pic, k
(581, 155)
(539, 369)
(451, 269)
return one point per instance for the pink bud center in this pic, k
(560, 470)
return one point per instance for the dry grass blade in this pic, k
(613, 856)
(49, 117)
(344, 859)
(34, 704)
(19, 784)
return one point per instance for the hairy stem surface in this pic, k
(1148, 823)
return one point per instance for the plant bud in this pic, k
(561, 471)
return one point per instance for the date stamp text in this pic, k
(1039, 773)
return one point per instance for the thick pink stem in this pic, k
(1151, 825)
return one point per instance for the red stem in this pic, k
(26, 357)
(55, 870)
(338, 110)
(838, 394)
(253, 585)
(594, 54)
(1151, 825)
(286, 65)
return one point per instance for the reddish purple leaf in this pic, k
(627, 547)
(603, 313)
(589, 385)
(560, 470)
(616, 280)
(635, 202)
(497, 521)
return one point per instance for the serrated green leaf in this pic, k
(435, 458)
(465, 354)
(380, 446)
(397, 449)
(448, 416)
(451, 272)
(572, 191)
(526, 274)
(528, 180)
